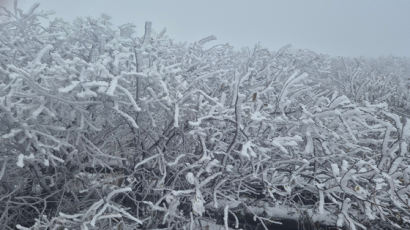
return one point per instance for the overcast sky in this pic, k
(336, 27)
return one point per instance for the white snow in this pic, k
(69, 87)
(113, 86)
(176, 115)
(42, 52)
(198, 203)
(12, 133)
(20, 160)
(247, 150)
(335, 169)
(190, 178)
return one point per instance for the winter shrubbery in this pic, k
(102, 128)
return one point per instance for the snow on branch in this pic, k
(104, 129)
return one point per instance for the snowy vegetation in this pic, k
(104, 128)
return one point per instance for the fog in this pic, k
(347, 28)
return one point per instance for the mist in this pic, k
(340, 28)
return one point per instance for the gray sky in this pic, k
(336, 27)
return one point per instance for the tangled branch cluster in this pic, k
(104, 129)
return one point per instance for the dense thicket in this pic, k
(105, 128)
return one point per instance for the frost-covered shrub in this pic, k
(103, 128)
